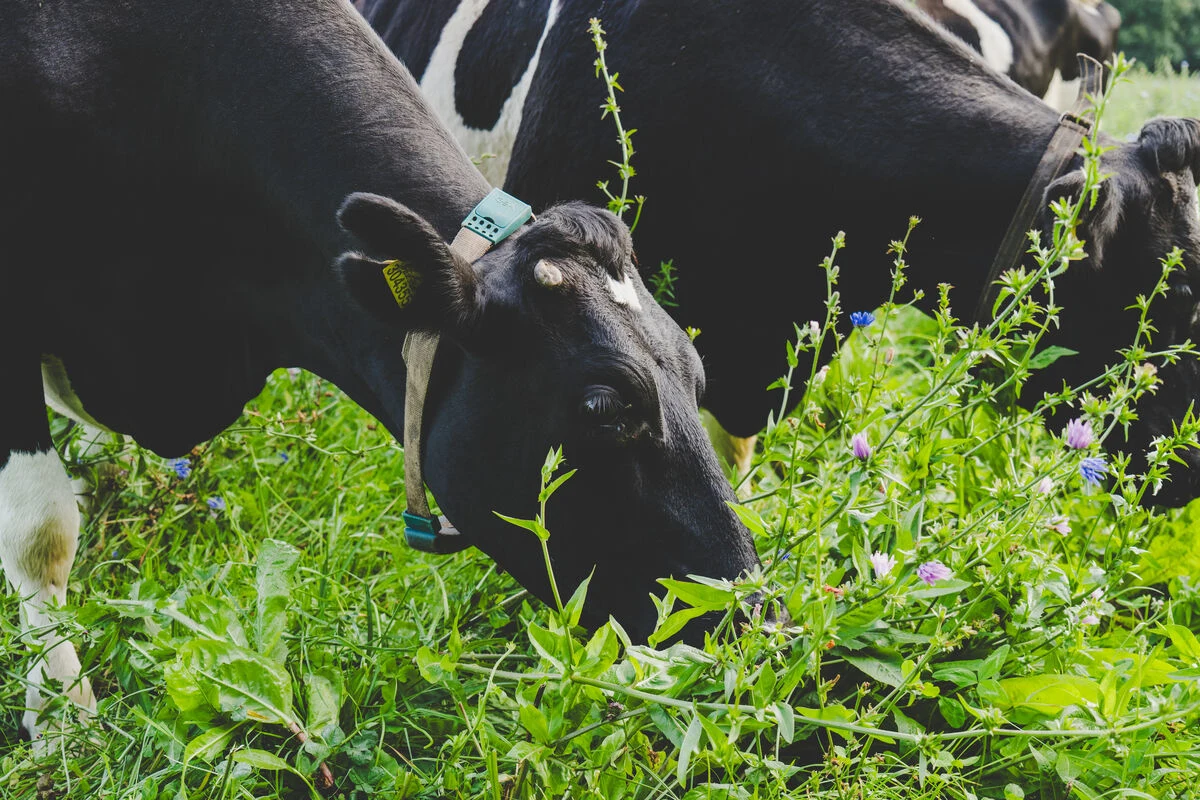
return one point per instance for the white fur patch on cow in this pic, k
(625, 293)
(1061, 94)
(438, 87)
(39, 533)
(994, 43)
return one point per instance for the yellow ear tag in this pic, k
(402, 280)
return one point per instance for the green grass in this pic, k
(1151, 93)
(1050, 664)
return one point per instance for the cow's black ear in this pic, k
(1171, 145)
(1098, 223)
(405, 274)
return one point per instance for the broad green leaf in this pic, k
(691, 740)
(552, 487)
(674, 624)
(208, 746)
(548, 645)
(218, 616)
(698, 595)
(1185, 674)
(786, 717)
(534, 721)
(435, 667)
(276, 562)
(1184, 640)
(1048, 694)
(961, 673)
(209, 677)
(952, 711)
(602, 651)
(1048, 356)
(1149, 670)
(991, 665)
(574, 606)
(763, 691)
(906, 724)
(323, 689)
(887, 672)
(533, 525)
(943, 587)
(261, 759)
(832, 713)
(750, 519)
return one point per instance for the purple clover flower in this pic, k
(1093, 469)
(1060, 524)
(882, 563)
(861, 319)
(182, 467)
(1079, 434)
(860, 446)
(933, 571)
(216, 503)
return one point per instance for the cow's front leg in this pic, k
(39, 532)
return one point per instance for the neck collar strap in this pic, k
(495, 218)
(1073, 125)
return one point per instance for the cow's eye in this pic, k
(601, 405)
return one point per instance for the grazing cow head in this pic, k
(552, 339)
(1146, 208)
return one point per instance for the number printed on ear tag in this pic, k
(402, 280)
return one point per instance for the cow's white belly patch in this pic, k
(492, 147)
(994, 43)
(60, 396)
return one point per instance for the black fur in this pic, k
(173, 172)
(763, 132)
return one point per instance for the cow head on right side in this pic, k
(1145, 208)
(551, 339)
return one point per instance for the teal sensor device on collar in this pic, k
(497, 216)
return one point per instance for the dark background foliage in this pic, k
(1152, 30)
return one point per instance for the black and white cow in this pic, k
(764, 130)
(1034, 42)
(172, 178)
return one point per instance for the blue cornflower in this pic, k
(1093, 469)
(182, 467)
(216, 503)
(861, 319)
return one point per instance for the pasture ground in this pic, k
(262, 585)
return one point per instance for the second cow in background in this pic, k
(1034, 42)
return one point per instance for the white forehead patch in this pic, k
(994, 43)
(625, 293)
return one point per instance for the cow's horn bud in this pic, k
(547, 274)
